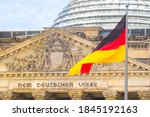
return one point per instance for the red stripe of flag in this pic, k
(116, 43)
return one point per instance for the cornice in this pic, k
(138, 63)
(99, 75)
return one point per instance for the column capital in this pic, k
(111, 95)
(39, 94)
(144, 95)
(76, 95)
(87, 96)
(7, 95)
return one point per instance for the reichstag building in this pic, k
(34, 64)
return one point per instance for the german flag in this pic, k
(111, 49)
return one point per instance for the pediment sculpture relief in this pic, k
(55, 55)
(119, 66)
(101, 67)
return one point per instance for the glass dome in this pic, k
(104, 13)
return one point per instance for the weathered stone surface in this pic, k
(51, 54)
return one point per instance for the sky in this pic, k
(29, 14)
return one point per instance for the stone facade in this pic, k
(37, 69)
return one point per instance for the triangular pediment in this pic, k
(54, 50)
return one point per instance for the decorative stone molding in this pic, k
(33, 75)
(111, 95)
(76, 95)
(144, 95)
(6, 95)
(39, 95)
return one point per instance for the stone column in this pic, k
(39, 95)
(111, 95)
(6, 95)
(144, 95)
(76, 95)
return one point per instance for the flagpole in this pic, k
(126, 58)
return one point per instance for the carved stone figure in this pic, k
(80, 34)
(77, 55)
(38, 57)
(100, 67)
(68, 60)
(17, 64)
(30, 62)
(45, 60)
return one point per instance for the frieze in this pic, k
(59, 84)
